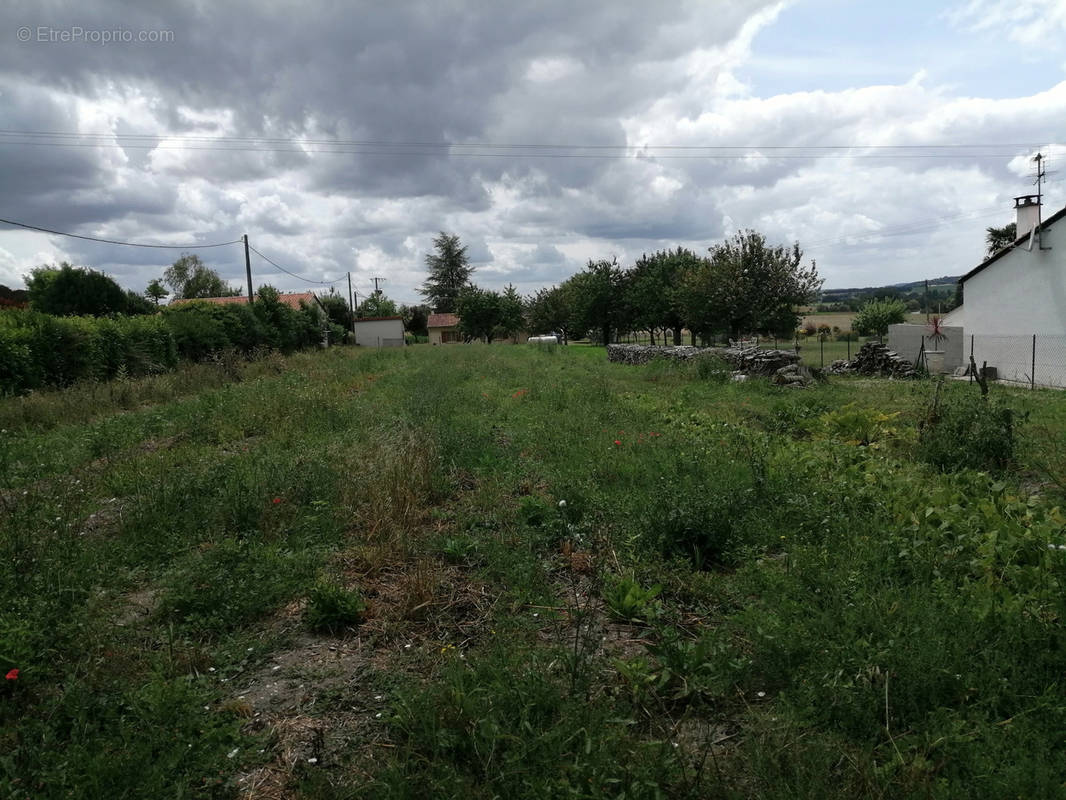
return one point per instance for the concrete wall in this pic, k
(1022, 293)
(906, 340)
(379, 333)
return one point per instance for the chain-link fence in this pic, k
(1033, 360)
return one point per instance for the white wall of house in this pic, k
(379, 332)
(448, 335)
(1021, 294)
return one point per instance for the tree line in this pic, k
(743, 285)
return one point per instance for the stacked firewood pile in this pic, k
(874, 358)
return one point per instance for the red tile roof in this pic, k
(291, 300)
(376, 319)
(442, 321)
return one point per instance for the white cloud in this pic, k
(1033, 23)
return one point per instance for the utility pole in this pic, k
(1040, 173)
(248, 268)
(351, 301)
(376, 289)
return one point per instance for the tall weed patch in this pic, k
(967, 432)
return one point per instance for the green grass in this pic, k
(497, 571)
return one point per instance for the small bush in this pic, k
(332, 608)
(967, 432)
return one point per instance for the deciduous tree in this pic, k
(748, 286)
(376, 305)
(156, 290)
(479, 313)
(66, 290)
(874, 318)
(653, 289)
(550, 310)
(190, 278)
(598, 299)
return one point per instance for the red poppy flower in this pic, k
(617, 442)
(276, 500)
(12, 675)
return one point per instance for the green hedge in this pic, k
(39, 350)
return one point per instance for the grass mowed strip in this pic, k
(525, 572)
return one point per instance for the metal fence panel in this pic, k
(1035, 360)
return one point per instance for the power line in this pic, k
(504, 145)
(459, 150)
(115, 241)
(293, 274)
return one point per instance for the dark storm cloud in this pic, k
(393, 90)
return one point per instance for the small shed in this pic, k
(379, 331)
(444, 329)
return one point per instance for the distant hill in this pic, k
(942, 295)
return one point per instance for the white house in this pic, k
(379, 331)
(1014, 302)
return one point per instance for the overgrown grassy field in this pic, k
(499, 571)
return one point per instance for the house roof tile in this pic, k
(442, 321)
(292, 300)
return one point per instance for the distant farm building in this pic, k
(443, 328)
(379, 331)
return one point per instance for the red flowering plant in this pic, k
(12, 675)
(936, 331)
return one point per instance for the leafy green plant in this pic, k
(688, 668)
(331, 608)
(967, 432)
(459, 549)
(854, 424)
(627, 600)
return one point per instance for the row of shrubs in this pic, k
(40, 350)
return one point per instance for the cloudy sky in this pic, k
(884, 137)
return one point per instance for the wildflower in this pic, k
(616, 441)
(276, 500)
(12, 675)
(562, 504)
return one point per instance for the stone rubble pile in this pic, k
(758, 362)
(643, 353)
(781, 365)
(874, 358)
(795, 376)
